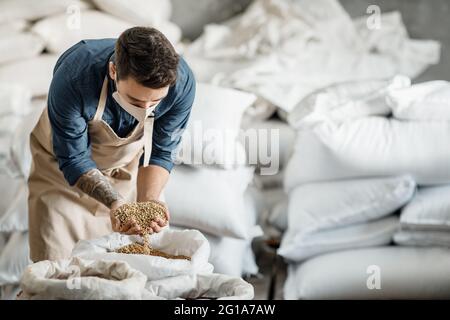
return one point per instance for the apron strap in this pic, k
(102, 101)
(148, 138)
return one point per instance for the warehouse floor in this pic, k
(269, 282)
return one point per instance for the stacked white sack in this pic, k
(363, 152)
(19, 115)
(208, 190)
(372, 273)
(27, 28)
(331, 216)
(425, 221)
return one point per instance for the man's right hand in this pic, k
(129, 228)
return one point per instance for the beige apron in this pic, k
(60, 215)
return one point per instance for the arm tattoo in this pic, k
(96, 185)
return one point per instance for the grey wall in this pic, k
(424, 19)
(191, 15)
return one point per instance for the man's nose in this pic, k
(148, 105)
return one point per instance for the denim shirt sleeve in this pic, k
(71, 144)
(168, 128)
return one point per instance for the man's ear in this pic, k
(112, 70)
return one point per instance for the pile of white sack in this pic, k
(32, 36)
(365, 182)
(286, 52)
(96, 271)
(282, 50)
(211, 188)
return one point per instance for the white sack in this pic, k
(328, 205)
(371, 146)
(422, 238)
(211, 200)
(345, 101)
(298, 247)
(6, 28)
(429, 209)
(11, 10)
(231, 256)
(200, 286)
(10, 190)
(60, 35)
(423, 101)
(140, 12)
(35, 74)
(15, 216)
(19, 45)
(78, 279)
(14, 258)
(212, 132)
(404, 273)
(190, 243)
(20, 148)
(14, 100)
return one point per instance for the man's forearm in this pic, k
(150, 182)
(96, 185)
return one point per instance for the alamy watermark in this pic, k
(373, 22)
(374, 279)
(228, 147)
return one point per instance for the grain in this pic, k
(146, 249)
(143, 213)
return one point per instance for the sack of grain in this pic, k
(200, 286)
(371, 147)
(13, 10)
(34, 74)
(189, 243)
(60, 34)
(20, 45)
(141, 12)
(78, 279)
(216, 205)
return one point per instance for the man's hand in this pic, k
(160, 223)
(129, 228)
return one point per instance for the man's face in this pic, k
(137, 94)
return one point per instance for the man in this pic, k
(106, 137)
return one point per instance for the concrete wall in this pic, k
(191, 15)
(424, 19)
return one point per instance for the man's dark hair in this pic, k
(147, 56)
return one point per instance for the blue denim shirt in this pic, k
(73, 98)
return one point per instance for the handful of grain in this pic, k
(144, 213)
(146, 249)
